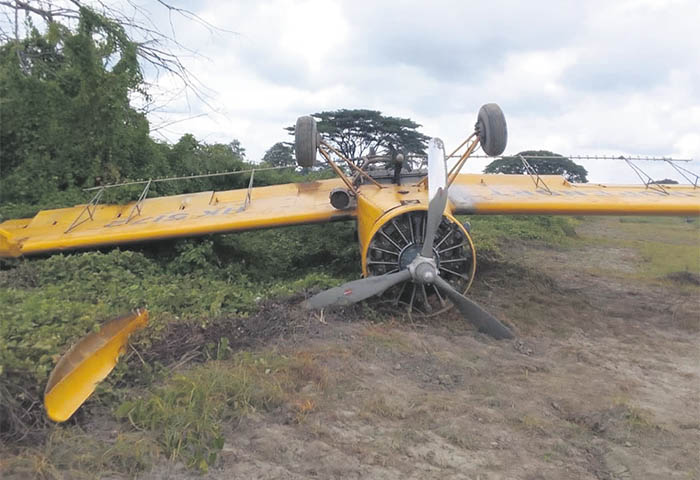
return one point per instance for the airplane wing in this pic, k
(551, 194)
(185, 215)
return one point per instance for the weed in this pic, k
(302, 408)
(378, 405)
(186, 414)
(532, 423)
(72, 453)
(491, 232)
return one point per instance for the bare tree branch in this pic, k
(161, 51)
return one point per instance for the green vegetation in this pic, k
(490, 233)
(72, 453)
(281, 154)
(68, 123)
(359, 132)
(556, 165)
(187, 413)
(649, 238)
(48, 303)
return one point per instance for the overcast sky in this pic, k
(574, 77)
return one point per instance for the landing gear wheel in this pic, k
(491, 129)
(400, 240)
(306, 140)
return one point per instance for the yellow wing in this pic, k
(186, 215)
(552, 194)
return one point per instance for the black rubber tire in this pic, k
(491, 129)
(306, 141)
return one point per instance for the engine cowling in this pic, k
(395, 240)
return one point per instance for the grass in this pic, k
(186, 415)
(492, 233)
(636, 418)
(378, 405)
(664, 245)
(73, 453)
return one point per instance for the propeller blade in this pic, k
(357, 290)
(437, 170)
(482, 320)
(435, 211)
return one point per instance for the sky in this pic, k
(573, 77)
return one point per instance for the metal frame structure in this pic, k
(649, 182)
(92, 205)
(536, 179)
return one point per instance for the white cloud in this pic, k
(572, 77)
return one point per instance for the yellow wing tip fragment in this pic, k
(8, 248)
(87, 363)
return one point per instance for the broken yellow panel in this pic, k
(87, 363)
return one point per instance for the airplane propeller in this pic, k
(423, 269)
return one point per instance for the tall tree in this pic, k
(358, 132)
(158, 49)
(281, 154)
(67, 120)
(554, 165)
(66, 114)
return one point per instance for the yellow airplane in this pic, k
(413, 249)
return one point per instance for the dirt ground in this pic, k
(602, 382)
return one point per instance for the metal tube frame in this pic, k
(534, 175)
(92, 203)
(139, 202)
(594, 157)
(463, 159)
(338, 171)
(248, 196)
(680, 170)
(351, 164)
(649, 182)
(188, 177)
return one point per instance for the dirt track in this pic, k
(603, 382)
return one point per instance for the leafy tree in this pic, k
(554, 165)
(281, 154)
(67, 122)
(66, 114)
(666, 181)
(237, 149)
(358, 132)
(158, 49)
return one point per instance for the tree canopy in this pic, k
(358, 132)
(555, 165)
(67, 121)
(281, 154)
(666, 181)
